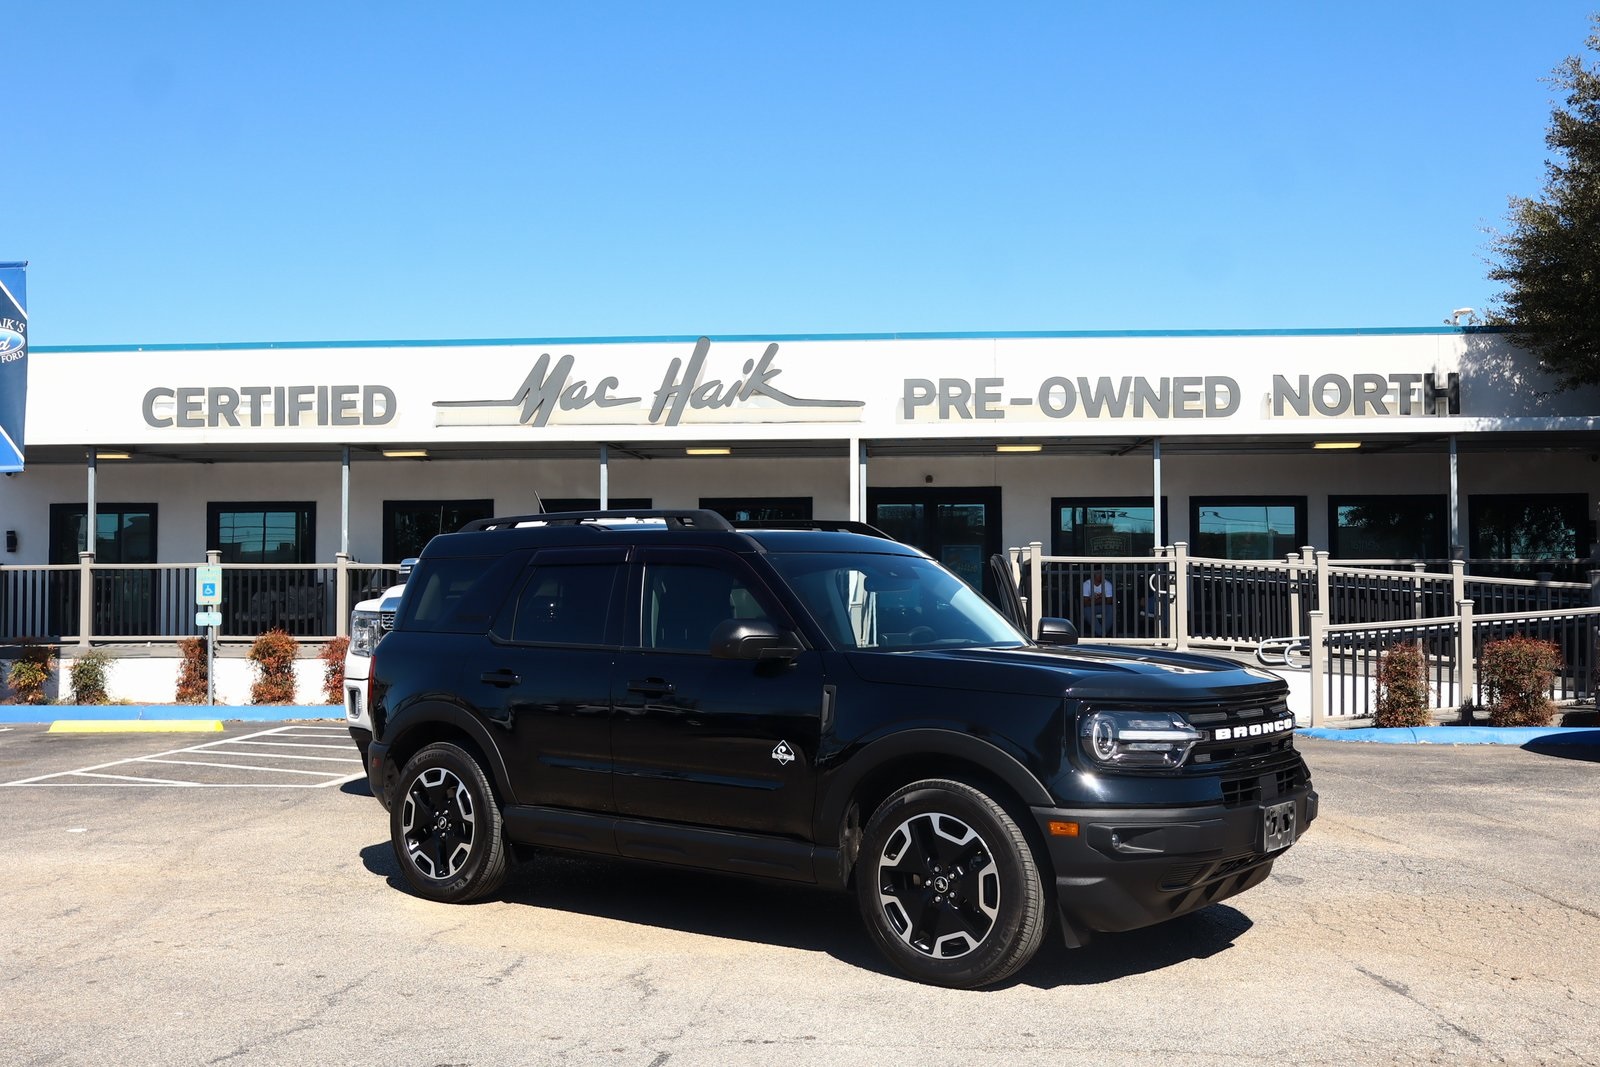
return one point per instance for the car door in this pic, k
(707, 741)
(546, 679)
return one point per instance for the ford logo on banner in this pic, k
(11, 342)
(13, 364)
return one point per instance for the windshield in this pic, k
(890, 603)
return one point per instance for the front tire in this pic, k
(445, 826)
(948, 886)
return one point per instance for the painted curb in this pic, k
(1462, 735)
(31, 713)
(136, 726)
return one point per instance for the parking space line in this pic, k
(236, 766)
(213, 750)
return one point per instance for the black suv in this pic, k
(821, 705)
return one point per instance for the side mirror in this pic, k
(753, 639)
(1057, 632)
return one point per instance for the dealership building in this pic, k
(1393, 443)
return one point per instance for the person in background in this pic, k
(1097, 600)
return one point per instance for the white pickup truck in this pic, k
(370, 620)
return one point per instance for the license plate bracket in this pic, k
(1277, 826)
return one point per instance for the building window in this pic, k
(1246, 527)
(758, 508)
(124, 533)
(408, 525)
(1104, 526)
(1389, 527)
(1540, 528)
(254, 532)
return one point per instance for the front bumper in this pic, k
(1134, 867)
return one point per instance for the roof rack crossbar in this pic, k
(827, 525)
(672, 518)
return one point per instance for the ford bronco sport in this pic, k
(823, 706)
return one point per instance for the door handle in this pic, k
(502, 678)
(650, 687)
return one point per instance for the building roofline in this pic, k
(998, 335)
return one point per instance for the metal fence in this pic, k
(156, 601)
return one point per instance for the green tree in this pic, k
(1549, 257)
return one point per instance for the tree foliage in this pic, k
(1549, 257)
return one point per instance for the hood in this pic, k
(1083, 672)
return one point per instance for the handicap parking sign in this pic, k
(208, 586)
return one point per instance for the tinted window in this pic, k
(1390, 527)
(437, 592)
(1109, 526)
(1240, 527)
(263, 533)
(565, 605)
(408, 525)
(683, 604)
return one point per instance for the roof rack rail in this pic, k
(672, 518)
(828, 525)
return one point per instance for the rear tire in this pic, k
(446, 828)
(948, 886)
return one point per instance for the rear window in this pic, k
(454, 594)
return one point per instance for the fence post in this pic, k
(85, 598)
(1035, 586)
(1323, 604)
(1178, 602)
(1466, 659)
(341, 595)
(1319, 668)
(1293, 560)
(1416, 590)
(1458, 580)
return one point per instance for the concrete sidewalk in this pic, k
(1461, 735)
(27, 713)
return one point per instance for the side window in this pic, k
(684, 603)
(565, 604)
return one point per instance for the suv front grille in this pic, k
(1218, 750)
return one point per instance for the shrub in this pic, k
(192, 671)
(273, 654)
(88, 673)
(332, 656)
(1517, 673)
(1402, 687)
(30, 672)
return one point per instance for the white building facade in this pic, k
(1411, 443)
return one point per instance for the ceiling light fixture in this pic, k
(1018, 448)
(1329, 446)
(111, 455)
(405, 453)
(708, 451)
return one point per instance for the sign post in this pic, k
(208, 594)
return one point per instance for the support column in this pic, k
(1457, 550)
(344, 503)
(858, 480)
(90, 522)
(605, 477)
(1155, 491)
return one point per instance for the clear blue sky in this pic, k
(339, 171)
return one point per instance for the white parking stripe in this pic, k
(236, 766)
(212, 749)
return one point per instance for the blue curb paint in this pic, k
(22, 713)
(1463, 735)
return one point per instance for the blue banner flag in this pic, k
(13, 363)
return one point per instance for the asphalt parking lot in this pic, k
(1443, 909)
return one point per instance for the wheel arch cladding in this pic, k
(900, 759)
(441, 722)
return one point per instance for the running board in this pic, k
(758, 855)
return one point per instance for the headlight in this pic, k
(1137, 738)
(364, 632)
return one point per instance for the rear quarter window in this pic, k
(456, 594)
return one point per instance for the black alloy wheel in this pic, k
(445, 826)
(948, 886)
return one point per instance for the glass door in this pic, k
(959, 527)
